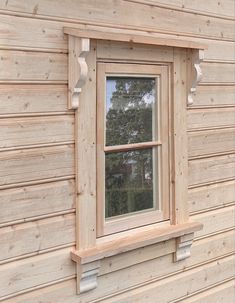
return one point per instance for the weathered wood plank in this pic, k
(224, 8)
(40, 66)
(36, 164)
(214, 96)
(46, 267)
(33, 271)
(211, 142)
(37, 200)
(18, 132)
(211, 169)
(142, 16)
(215, 221)
(169, 289)
(218, 72)
(33, 237)
(210, 196)
(220, 293)
(211, 117)
(29, 98)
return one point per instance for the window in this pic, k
(130, 93)
(133, 164)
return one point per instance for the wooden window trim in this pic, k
(105, 227)
(185, 74)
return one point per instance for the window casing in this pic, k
(178, 63)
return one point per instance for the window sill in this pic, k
(89, 259)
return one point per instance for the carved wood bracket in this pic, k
(78, 69)
(183, 246)
(194, 72)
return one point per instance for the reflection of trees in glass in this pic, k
(129, 185)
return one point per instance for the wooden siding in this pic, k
(37, 229)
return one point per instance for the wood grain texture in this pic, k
(40, 66)
(211, 196)
(211, 142)
(23, 203)
(18, 132)
(30, 98)
(215, 221)
(224, 8)
(33, 237)
(218, 72)
(117, 12)
(211, 117)
(36, 164)
(215, 96)
(212, 169)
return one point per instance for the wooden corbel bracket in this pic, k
(88, 260)
(194, 72)
(78, 69)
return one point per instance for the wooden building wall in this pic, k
(37, 226)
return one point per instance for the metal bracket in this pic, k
(78, 69)
(87, 276)
(195, 72)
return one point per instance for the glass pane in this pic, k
(129, 110)
(129, 182)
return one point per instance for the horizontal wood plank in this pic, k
(218, 72)
(58, 263)
(215, 220)
(27, 202)
(211, 117)
(224, 8)
(29, 98)
(145, 16)
(214, 96)
(34, 271)
(40, 66)
(211, 196)
(36, 164)
(18, 132)
(211, 169)
(219, 293)
(211, 142)
(33, 237)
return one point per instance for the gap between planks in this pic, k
(22, 147)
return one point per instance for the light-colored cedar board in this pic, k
(214, 96)
(131, 242)
(211, 142)
(85, 154)
(177, 286)
(219, 293)
(214, 72)
(150, 40)
(33, 237)
(40, 66)
(210, 196)
(222, 9)
(204, 249)
(179, 138)
(210, 117)
(212, 169)
(142, 16)
(15, 34)
(30, 98)
(36, 164)
(40, 273)
(114, 50)
(26, 202)
(34, 271)
(215, 220)
(18, 132)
